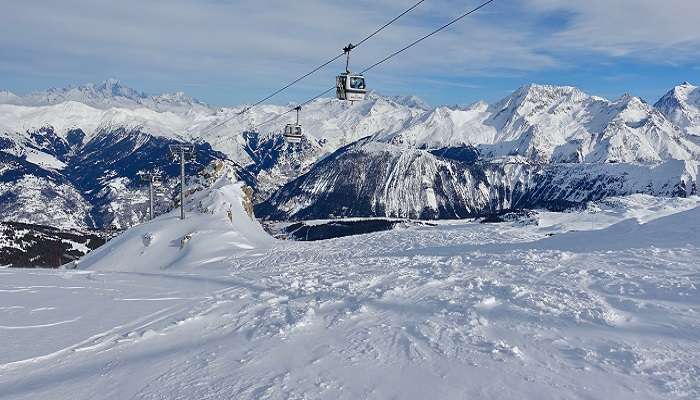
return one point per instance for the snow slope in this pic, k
(598, 304)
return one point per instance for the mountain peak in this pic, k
(113, 88)
(177, 99)
(538, 93)
(111, 82)
(536, 88)
(410, 101)
(529, 98)
(682, 106)
(684, 89)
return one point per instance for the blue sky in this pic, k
(232, 52)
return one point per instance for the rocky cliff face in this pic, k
(77, 183)
(377, 179)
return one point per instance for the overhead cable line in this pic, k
(290, 84)
(387, 58)
(397, 52)
(306, 75)
(408, 10)
(278, 116)
(297, 80)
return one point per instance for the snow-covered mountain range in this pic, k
(559, 124)
(79, 150)
(108, 94)
(370, 178)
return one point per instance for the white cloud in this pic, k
(261, 38)
(249, 47)
(645, 29)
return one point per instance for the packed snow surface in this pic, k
(602, 303)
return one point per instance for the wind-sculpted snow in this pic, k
(371, 179)
(596, 304)
(217, 225)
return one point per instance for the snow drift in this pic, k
(218, 224)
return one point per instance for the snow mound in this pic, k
(217, 228)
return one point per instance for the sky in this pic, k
(227, 52)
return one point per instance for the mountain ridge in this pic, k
(106, 94)
(535, 125)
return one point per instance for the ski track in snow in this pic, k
(461, 310)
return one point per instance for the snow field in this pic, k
(598, 304)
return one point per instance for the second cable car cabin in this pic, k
(293, 132)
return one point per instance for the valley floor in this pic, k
(603, 304)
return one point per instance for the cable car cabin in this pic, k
(292, 132)
(350, 87)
